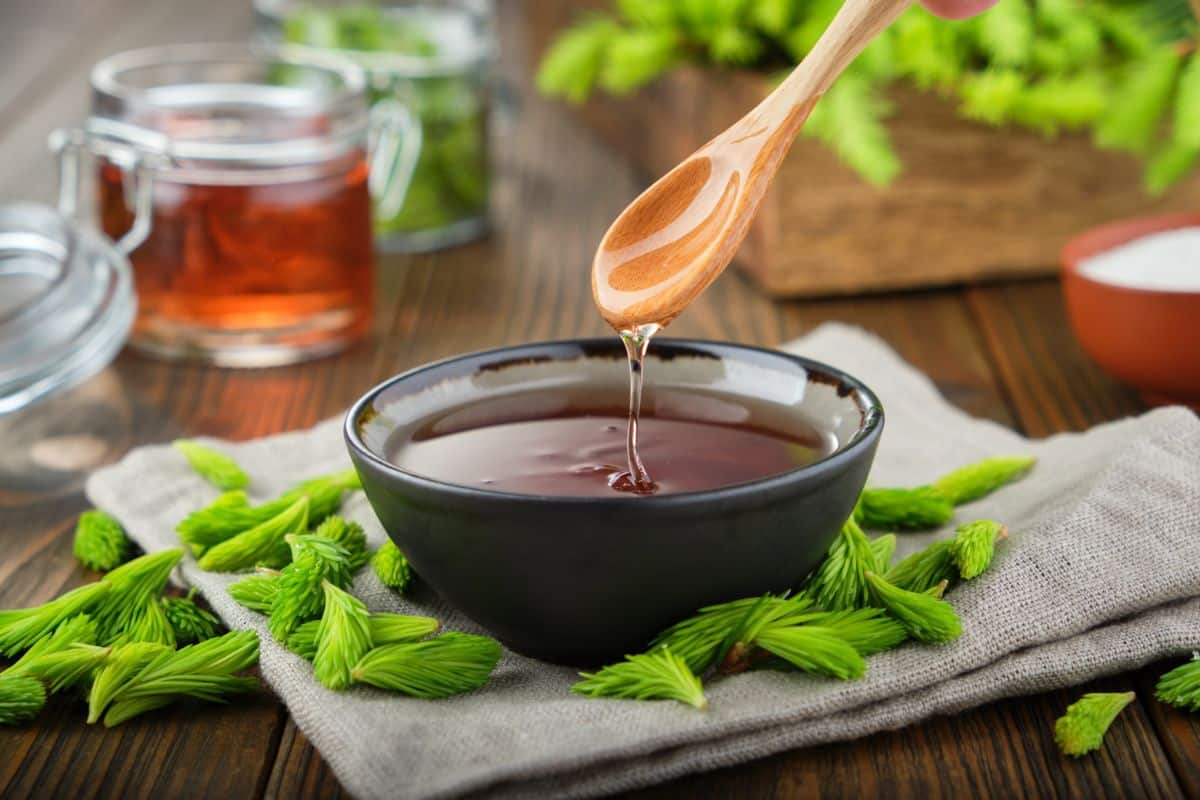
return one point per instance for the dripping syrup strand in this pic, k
(637, 342)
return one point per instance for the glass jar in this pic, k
(433, 57)
(238, 183)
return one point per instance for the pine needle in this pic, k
(122, 664)
(256, 592)
(385, 629)
(21, 699)
(262, 544)
(924, 569)
(231, 514)
(77, 629)
(1169, 166)
(1081, 730)
(812, 648)
(349, 535)
(449, 664)
(926, 618)
(701, 640)
(1005, 33)
(67, 668)
(882, 549)
(22, 628)
(992, 95)
(656, 675)
(903, 509)
(1062, 103)
(299, 597)
(839, 582)
(867, 630)
(392, 567)
(217, 468)
(132, 611)
(638, 56)
(571, 67)
(100, 541)
(1145, 95)
(343, 637)
(1181, 686)
(203, 671)
(982, 478)
(974, 545)
(1186, 126)
(190, 622)
(849, 118)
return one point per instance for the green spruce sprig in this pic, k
(215, 467)
(656, 675)
(100, 541)
(883, 548)
(132, 610)
(925, 507)
(66, 669)
(299, 597)
(123, 663)
(839, 582)
(392, 567)
(925, 617)
(703, 639)
(343, 637)
(904, 509)
(77, 630)
(350, 536)
(257, 592)
(22, 628)
(203, 671)
(190, 622)
(265, 543)
(385, 629)
(1081, 730)
(980, 479)
(446, 665)
(974, 546)
(1181, 686)
(21, 699)
(231, 513)
(967, 555)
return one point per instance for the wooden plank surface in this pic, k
(1001, 352)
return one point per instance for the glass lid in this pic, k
(66, 303)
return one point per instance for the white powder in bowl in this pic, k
(1166, 262)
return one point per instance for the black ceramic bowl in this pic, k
(585, 580)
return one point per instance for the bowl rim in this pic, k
(1118, 233)
(864, 437)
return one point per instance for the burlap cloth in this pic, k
(1101, 574)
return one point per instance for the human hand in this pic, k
(958, 9)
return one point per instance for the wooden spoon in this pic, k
(679, 234)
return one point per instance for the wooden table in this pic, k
(998, 351)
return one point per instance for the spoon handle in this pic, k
(856, 24)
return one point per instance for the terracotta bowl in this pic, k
(1147, 338)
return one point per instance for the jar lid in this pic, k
(66, 303)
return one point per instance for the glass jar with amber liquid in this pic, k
(239, 184)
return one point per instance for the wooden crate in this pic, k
(971, 204)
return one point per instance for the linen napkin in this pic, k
(1101, 574)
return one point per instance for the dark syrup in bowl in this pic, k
(572, 442)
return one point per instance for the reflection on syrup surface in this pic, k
(573, 443)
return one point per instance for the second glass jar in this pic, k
(434, 58)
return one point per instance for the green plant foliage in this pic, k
(1122, 69)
